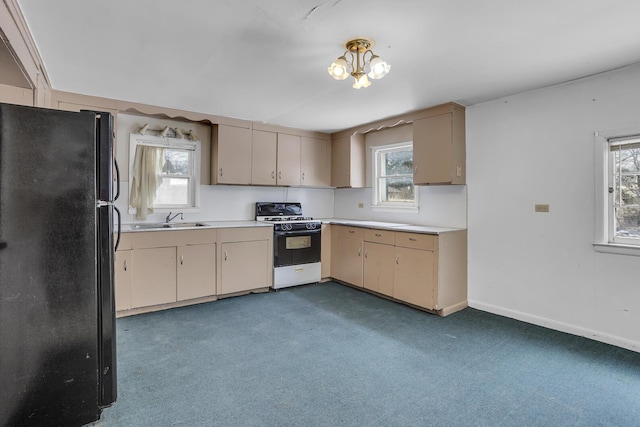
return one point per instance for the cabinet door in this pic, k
(347, 260)
(348, 161)
(288, 159)
(153, 276)
(263, 158)
(379, 263)
(433, 149)
(122, 272)
(196, 271)
(244, 266)
(413, 277)
(313, 162)
(232, 152)
(325, 251)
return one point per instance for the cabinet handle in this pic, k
(359, 251)
(378, 235)
(273, 174)
(220, 171)
(225, 255)
(366, 254)
(352, 231)
(397, 259)
(415, 170)
(303, 176)
(125, 265)
(181, 259)
(280, 175)
(413, 239)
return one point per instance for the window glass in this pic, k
(164, 174)
(625, 191)
(393, 176)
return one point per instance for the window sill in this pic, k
(397, 209)
(616, 248)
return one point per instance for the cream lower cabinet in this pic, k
(196, 270)
(153, 276)
(165, 267)
(346, 254)
(378, 268)
(325, 252)
(245, 259)
(413, 280)
(122, 274)
(424, 270)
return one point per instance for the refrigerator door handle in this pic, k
(115, 163)
(119, 228)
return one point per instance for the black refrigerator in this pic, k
(57, 306)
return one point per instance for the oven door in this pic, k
(296, 247)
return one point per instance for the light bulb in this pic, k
(338, 69)
(378, 67)
(361, 82)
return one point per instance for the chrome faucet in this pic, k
(169, 218)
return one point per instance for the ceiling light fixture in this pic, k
(357, 64)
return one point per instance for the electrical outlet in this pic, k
(361, 205)
(542, 208)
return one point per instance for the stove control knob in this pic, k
(311, 225)
(286, 226)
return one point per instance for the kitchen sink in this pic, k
(156, 225)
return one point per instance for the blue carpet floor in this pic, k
(330, 355)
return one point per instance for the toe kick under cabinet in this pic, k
(428, 271)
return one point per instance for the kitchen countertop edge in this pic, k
(126, 228)
(392, 226)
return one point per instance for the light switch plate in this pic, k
(542, 208)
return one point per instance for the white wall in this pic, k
(235, 203)
(538, 147)
(440, 205)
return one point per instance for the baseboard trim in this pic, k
(556, 325)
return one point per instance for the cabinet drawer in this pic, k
(244, 234)
(425, 242)
(385, 237)
(351, 232)
(125, 241)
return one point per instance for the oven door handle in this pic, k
(297, 232)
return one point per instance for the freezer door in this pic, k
(106, 307)
(48, 268)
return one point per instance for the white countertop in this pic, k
(426, 229)
(131, 228)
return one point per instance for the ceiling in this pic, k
(266, 60)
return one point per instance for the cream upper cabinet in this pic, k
(314, 171)
(263, 158)
(196, 271)
(439, 147)
(348, 161)
(231, 155)
(288, 161)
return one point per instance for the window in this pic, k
(165, 174)
(393, 177)
(624, 190)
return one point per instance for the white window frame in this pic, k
(377, 204)
(605, 239)
(194, 166)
